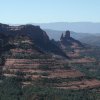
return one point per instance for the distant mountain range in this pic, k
(86, 32)
(84, 27)
(91, 39)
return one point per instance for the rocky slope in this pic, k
(39, 37)
(34, 67)
(31, 58)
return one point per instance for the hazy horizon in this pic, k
(37, 23)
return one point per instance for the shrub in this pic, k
(44, 67)
(45, 74)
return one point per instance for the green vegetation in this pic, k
(94, 52)
(44, 74)
(91, 70)
(46, 93)
(10, 89)
(66, 67)
(25, 46)
(44, 67)
(2, 60)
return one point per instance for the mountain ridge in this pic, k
(91, 39)
(83, 27)
(39, 37)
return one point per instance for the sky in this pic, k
(45, 11)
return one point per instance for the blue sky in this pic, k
(44, 11)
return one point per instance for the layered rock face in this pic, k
(39, 37)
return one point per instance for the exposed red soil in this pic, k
(65, 74)
(83, 60)
(84, 84)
